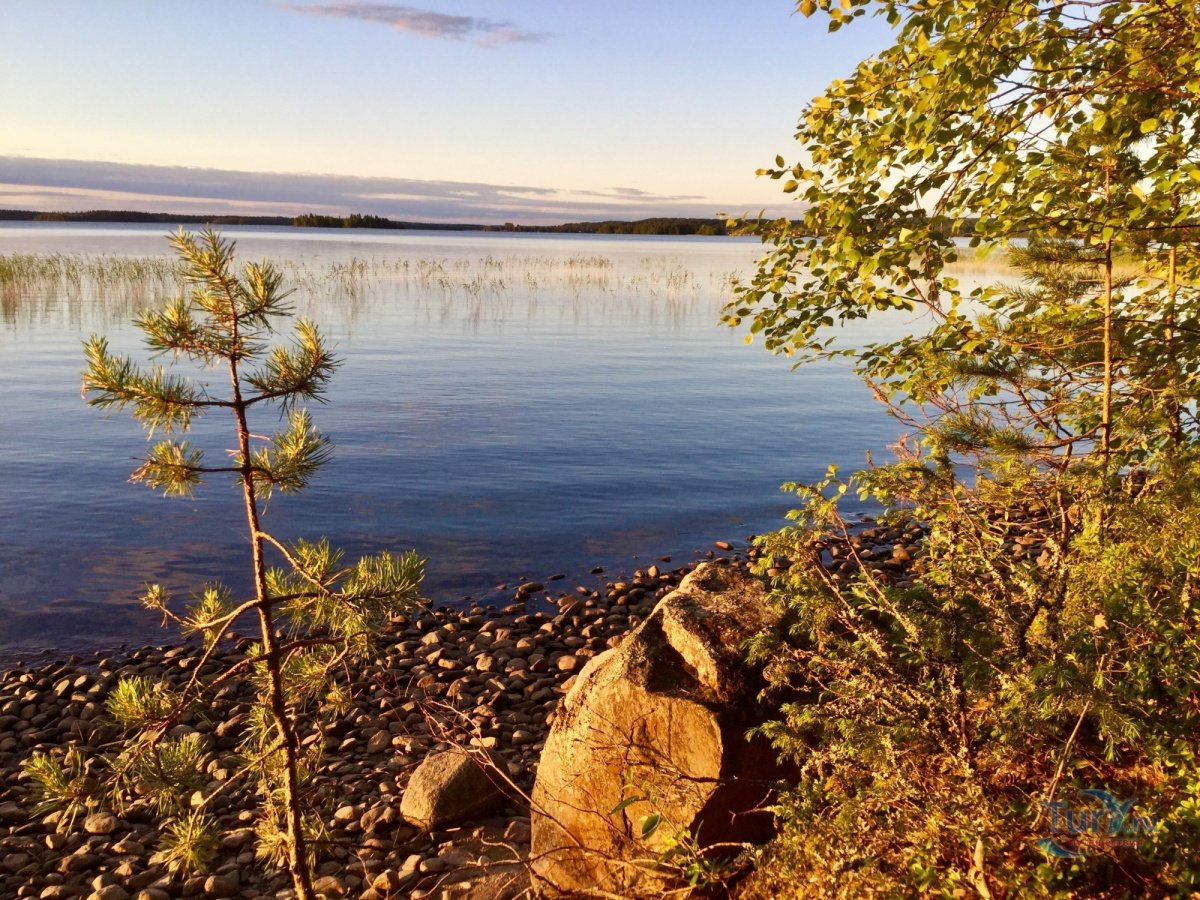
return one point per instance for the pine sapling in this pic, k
(315, 614)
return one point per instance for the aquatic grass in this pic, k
(496, 275)
(33, 286)
(477, 289)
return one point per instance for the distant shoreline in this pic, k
(652, 226)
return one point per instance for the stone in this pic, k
(502, 882)
(410, 867)
(379, 819)
(432, 865)
(55, 841)
(100, 823)
(666, 711)
(380, 741)
(517, 831)
(330, 886)
(11, 812)
(223, 885)
(347, 813)
(129, 847)
(387, 881)
(451, 787)
(236, 840)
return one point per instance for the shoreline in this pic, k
(486, 681)
(492, 598)
(446, 677)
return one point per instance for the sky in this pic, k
(487, 111)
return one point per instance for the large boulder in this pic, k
(449, 788)
(654, 731)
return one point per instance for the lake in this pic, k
(509, 404)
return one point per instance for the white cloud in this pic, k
(424, 22)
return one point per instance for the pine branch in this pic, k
(292, 458)
(299, 372)
(172, 467)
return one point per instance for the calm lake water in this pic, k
(509, 405)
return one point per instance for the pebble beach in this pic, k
(484, 679)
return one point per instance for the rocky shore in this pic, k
(484, 679)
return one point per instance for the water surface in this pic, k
(508, 405)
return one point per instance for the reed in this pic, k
(35, 287)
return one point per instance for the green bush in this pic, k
(933, 723)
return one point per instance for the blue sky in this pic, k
(463, 110)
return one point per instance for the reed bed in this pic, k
(508, 274)
(37, 287)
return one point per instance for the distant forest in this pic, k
(659, 225)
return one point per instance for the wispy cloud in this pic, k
(425, 22)
(64, 184)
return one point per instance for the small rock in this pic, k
(517, 831)
(128, 847)
(224, 885)
(380, 741)
(410, 867)
(448, 788)
(329, 886)
(236, 840)
(56, 841)
(432, 866)
(100, 823)
(110, 892)
(347, 813)
(12, 812)
(390, 880)
(379, 819)
(14, 862)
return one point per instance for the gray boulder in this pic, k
(449, 788)
(660, 721)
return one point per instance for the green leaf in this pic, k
(625, 804)
(650, 825)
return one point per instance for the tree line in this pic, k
(656, 225)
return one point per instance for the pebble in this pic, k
(222, 886)
(100, 823)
